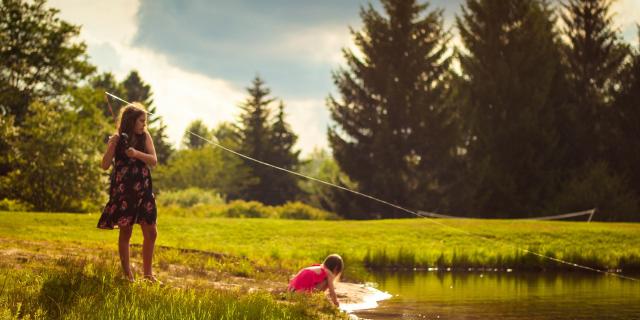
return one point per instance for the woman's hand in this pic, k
(111, 150)
(131, 152)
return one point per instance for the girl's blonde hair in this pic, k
(129, 114)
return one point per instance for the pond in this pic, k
(493, 295)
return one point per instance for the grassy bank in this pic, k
(60, 266)
(285, 245)
(82, 289)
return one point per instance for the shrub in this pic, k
(250, 209)
(14, 205)
(301, 211)
(190, 197)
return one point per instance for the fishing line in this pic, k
(415, 213)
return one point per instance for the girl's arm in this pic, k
(332, 290)
(149, 158)
(110, 152)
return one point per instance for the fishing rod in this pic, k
(124, 137)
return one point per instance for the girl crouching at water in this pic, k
(131, 200)
(319, 277)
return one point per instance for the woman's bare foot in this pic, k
(129, 277)
(151, 278)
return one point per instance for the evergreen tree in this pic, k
(594, 57)
(513, 105)
(626, 117)
(393, 133)
(106, 82)
(138, 91)
(236, 176)
(254, 134)
(283, 186)
(268, 141)
(191, 141)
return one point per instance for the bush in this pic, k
(301, 211)
(207, 204)
(190, 197)
(54, 167)
(251, 209)
(198, 211)
(14, 205)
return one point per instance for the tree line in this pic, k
(536, 112)
(540, 116)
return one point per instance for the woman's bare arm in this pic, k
(149, 158)
(110, 152)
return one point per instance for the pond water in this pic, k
(475, 295)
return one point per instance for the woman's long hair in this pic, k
(127, 123)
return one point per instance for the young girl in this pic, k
(319, 277)
(131, 199)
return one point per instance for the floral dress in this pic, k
(131, 199)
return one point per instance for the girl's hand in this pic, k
(131, 152)
(113, 140)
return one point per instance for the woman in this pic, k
(131, 199)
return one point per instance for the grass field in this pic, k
(408, 243)
(222, 267)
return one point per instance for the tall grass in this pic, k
(78, 289)
(520, 260)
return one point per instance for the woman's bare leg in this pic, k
(150, 233)
(123, 249)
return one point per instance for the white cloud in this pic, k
(319, 44)
(626, 17)
(306, 117)
(180, 96)
(627, 12)
(111, 21)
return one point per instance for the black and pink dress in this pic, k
(131, 198)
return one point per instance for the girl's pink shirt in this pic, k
(307, 279)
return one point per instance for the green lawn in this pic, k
(61, 266)
(408, 243)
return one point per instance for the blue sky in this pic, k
(200, 55)
(283, 41)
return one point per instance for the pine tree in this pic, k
(594, 57)
(254, 133)
(138, 91)
(106, 82)
(236, 176)
(393, 133)
(626, 117)
(513, 105)
(191, 141)
(283, 186)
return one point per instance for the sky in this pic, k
(199, 56)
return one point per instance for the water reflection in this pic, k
(447, 295)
